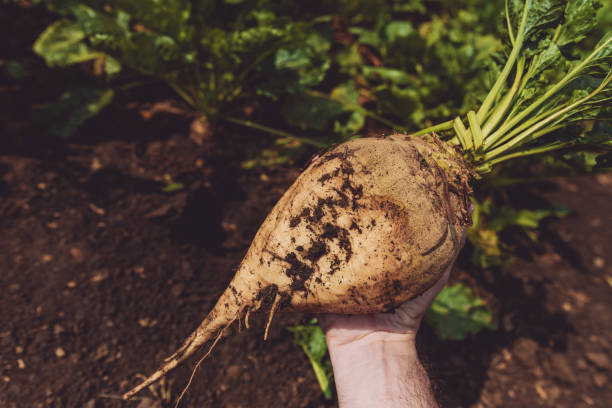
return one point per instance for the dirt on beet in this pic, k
(103, 274)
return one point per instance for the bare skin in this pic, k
(374, 356)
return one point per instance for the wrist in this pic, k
(375, 351)
(374, 339)
(376, 370)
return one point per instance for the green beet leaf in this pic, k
(63, 117)
(63, 43)
(457, 312)
(580, 19)
(168, 17)
(525, 218)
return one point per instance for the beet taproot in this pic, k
(366, 227)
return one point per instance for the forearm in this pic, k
(380, 371)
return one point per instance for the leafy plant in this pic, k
(284, 151)
(489, 220)
(63, 116)
(312, 340)
(456, 313)
(416, 66)
(221, 55)
(554, 87)
(215, 54)
(171, 186)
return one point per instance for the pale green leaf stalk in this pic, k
(311, 338)
(549, 92)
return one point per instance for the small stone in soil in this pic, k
(77, 254)
(101, 352)
(149, 403)
(562, 368)
(581, 364)
(233, 372)
(99, 276)
(177, 289)
(599, 262)
(600, 360)
(525, 350)
(600, 379)
(90, 404)
(604, 179)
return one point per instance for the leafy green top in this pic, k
(553, 87)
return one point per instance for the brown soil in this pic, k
(104, 275)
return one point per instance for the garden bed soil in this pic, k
(104, 274)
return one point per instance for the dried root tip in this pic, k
(256, 306)
(246, 318)
(212, 346)
(273, 309)
(190, 346)
(208, 329)
(153, 378)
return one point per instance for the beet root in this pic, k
(366, 227)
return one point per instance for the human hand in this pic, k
(403, 322)
(374, 356)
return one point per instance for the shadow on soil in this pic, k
(459, 368)
(4, 188)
